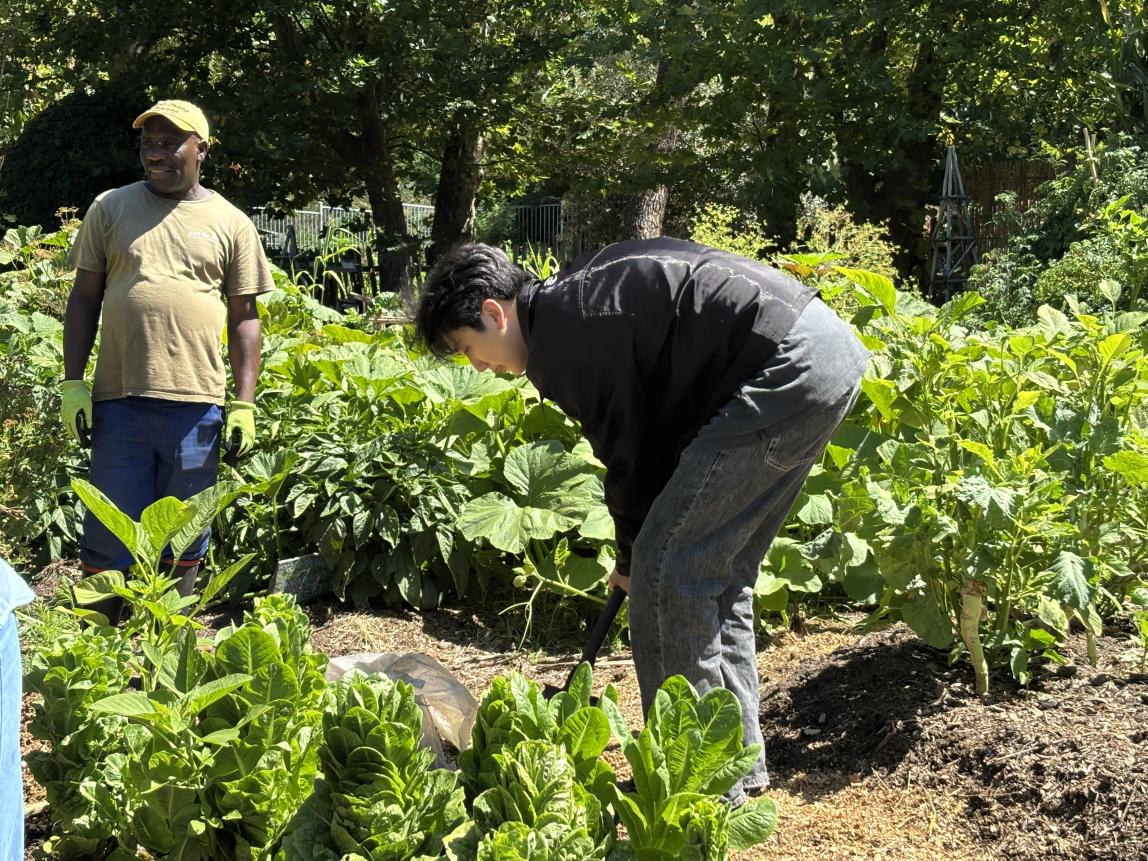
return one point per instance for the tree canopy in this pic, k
(748, 104)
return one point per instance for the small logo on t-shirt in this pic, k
(203, 234)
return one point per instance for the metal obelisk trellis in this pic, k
(954, 244)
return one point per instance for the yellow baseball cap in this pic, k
(184, 115)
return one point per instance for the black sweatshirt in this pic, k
(642, 342)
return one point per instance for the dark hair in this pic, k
(456, 287)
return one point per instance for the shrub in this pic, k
(88, 140)
(725, 227)
(821, 227)
(1081, 232)
(1081, 271)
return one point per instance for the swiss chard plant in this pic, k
(535, 808)
(514, 710)
(688, 754)
(379, 799)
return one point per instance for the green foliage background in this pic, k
(1011, 461)
(1071, 241)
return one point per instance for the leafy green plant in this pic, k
(80, 768)
(156, 744)
(387, 450)
(167, 524)
(534, 808)
(538, 260)
(981, 489)
(514, 710)
(41, 518)
(822, 228)
(689, 753)
(379, 798)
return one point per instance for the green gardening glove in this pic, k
(76, 410)
(239, 428)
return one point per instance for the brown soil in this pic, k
(877, 749)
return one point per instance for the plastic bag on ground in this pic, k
(448, 708)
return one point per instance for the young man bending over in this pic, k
(708, 384)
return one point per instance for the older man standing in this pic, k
(163, 266)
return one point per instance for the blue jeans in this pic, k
(698, 555)
(144, 449)
(11, 780)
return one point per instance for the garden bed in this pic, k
(877, 749)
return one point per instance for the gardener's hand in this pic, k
(240, 424)
(76, 410)
(618, 581)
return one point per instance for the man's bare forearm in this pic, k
(81, 319)
(243, 332)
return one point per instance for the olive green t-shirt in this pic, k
(169, 266)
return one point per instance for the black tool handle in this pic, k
(601, 627)
(231, 447)
(84, 431)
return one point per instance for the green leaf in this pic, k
(220, 580)
(752, 823)
(131, 534)
(550, 478)
(1132, 466)
(1113, 346)
(202, 508)
(1070, 580)
(507, 525)
(247, 650)
(980, 450)
(877, 287)
(1052, 614)
(129, 704)
(585, 733)
(864, 583)
(1053, 322)
(997, 504)
(598, 525)
(1109, 289)
(815, 510)
(96, 587)
(164, 518)
(883, 394)
(201, 696)
(929, 620)
(221, 737)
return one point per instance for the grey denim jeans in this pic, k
(698, 555)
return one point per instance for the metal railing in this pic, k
(308, 227)
(542, 226)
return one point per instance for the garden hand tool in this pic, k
(238, 431)
(76, 411)
(594, 643)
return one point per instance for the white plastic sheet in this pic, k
(448, 708)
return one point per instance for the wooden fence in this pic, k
(983, 182)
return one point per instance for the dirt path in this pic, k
(877, 749)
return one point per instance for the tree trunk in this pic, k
(899, 194)
(393, 243)
(458, 181)
(645, 213)
(643, 218)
